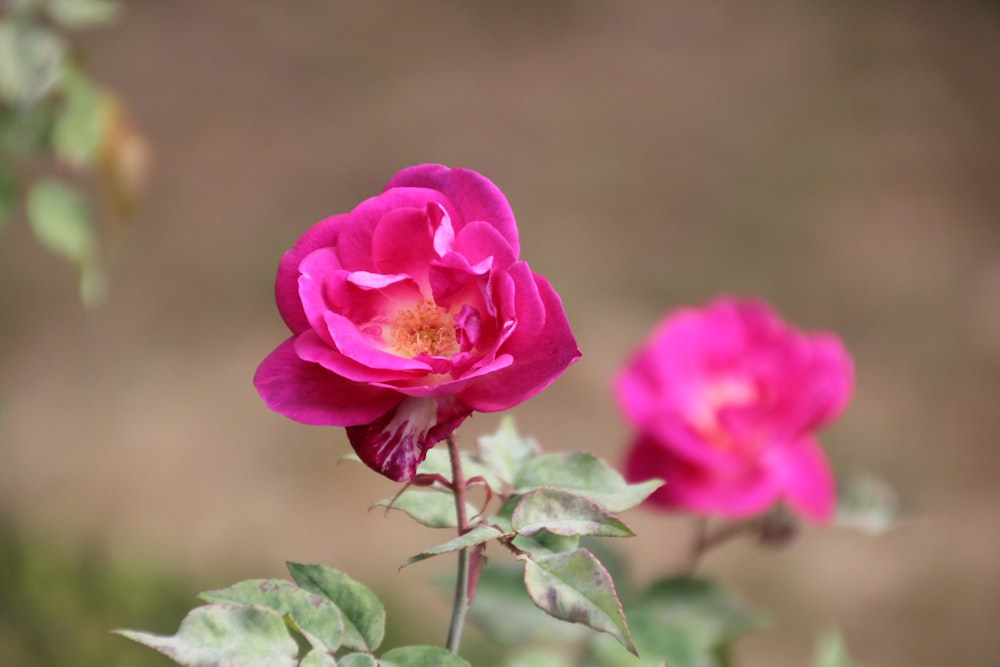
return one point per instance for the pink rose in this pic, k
(726, 400)
(409, 313)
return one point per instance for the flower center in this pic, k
(426, 328)
(714, 397)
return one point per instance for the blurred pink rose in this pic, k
(409, 313)
(725, 401)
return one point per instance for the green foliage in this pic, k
(831, 652)
(563, 513)
(586, 475)
(317, 619)
(220, 634)
(55, 118)
(256, 624)
(433, 509)
(363, 614)
(574, 586)
(868, 503)
(60, 222)
(57, 603)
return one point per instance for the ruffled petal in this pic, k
(472, 196)
(689, 487)
(804, 474)
(310, 394)
(541, 348)
(396, 443)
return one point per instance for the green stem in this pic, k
(460, 605)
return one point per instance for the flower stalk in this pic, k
(460, 606)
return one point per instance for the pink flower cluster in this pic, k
(409, 313)
(725, 401)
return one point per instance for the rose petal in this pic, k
(468, 193)
(401, 242)
(690, 487)
(309, 346)
(396, 443)
(308, 393)
(538, 359)
(804, 474)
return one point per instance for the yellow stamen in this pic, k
(426, 328)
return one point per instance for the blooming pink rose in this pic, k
(725, 401)
(409, 313)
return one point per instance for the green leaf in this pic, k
(505, 613)
(358, 660)
(868, 503)
(657, 643)
(59, 219)
(438, 462)
(585, 475)
(701, 609)
(364, 615)
(318, 619)
(318, 658)
(80, 124)
(421, 656)
(27, 131)
(544, 542)
(505, 451)
(8, 197)
(30, 60)
(76, 14)
(831, 652)
(561, 512)
(575, 587)
(477, 535)
(433, 509)
(538, 657)
(222, 634)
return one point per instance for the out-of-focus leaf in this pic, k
(561, 512)
(318, 619)
(60, 221)
(8, 197)
(538, 657)
(868, 503)
(477, 535)
(76, 14)
(26, 132)
(364, 614)
(575, 587)
(222, 634)
(79, 127)
(358, 660)
(701, 609)
(438, 462)
(421, 656)
(30, 60)
(505, 613)
(832, 652)
(318, 658)
(657, 643)
(505, 451)
(433, 509)
(585, 475)
(124, 161)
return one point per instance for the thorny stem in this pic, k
(460, 605)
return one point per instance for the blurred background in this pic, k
(841, 160)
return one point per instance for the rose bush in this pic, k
(409, 313)
(725, 401)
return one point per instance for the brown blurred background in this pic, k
(838, 159)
